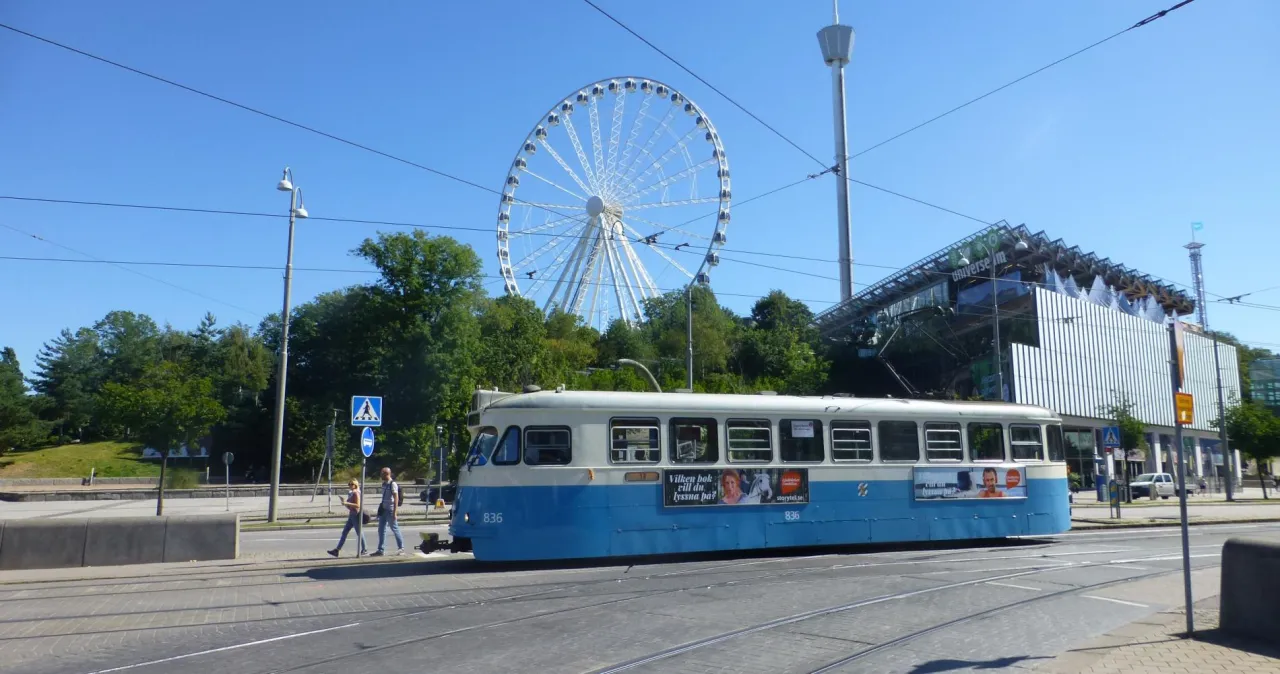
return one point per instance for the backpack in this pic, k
(399, 496)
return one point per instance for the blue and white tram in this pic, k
(578, 474)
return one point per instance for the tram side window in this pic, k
(544, 446)
(801, 440)
(1026, 443)
(634, 441)
(1056, 447)
(899, 441)
(986, 442)
(694, 441)
(750, 441)
(507, 452)
(851, 441)
(942, 441)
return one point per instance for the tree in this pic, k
(166, 407)
(778, 347)
(622, 340)
(571, 347)
(1255, 431)
(19, 427)
(1132, 430)
(68, 373)
(1246, 355)
(128, 344)
(715, 331)
(512, 343)
(422, 320)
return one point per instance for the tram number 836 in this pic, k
(492, 518)
(792, 515)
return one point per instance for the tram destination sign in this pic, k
(935, 483)
(733, 486)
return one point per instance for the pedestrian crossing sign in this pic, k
(1111, 437)
(366, 411)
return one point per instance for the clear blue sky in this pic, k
(1115, 151)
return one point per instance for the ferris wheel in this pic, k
(599, 214)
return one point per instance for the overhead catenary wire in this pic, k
(975, 311)
(1037, 71)
(483, 230)
(123, 267)
(709, 85)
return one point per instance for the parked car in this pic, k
(431, 493)
(1162, 483)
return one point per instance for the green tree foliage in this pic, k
(166, 407)
(513, 343)
(1246, 355)
(1132, 430)
(622, 340)
(128, 344)
(19, 427)
(715, 334)
(779, 345)
(1253, 430)
(68, 373)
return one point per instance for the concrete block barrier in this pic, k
(49, 544)
(1250, 585)
(130, 540)
(202, 538)
(43, 545)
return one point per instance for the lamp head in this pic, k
(301, 210)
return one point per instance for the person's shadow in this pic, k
(952, 665)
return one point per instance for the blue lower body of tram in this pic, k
(510, 523)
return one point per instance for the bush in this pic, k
(181, 478)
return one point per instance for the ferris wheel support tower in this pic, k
(837, 46)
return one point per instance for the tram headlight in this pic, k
(466, 518)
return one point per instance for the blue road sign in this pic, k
(366, 411)
(1111, 437)
(366, 442)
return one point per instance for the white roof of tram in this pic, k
(624, 402)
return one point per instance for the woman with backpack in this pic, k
(354, 511)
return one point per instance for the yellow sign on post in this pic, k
(1184, 404)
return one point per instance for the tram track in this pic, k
(692, 579)
(956, 622)
(833, 610)
(772, 578)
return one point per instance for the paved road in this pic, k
(870, 609)
(248, 507)
(314, 542)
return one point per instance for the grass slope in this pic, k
(111, 459)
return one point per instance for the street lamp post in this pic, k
(296, 210)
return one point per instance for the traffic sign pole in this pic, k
(360, 517)
(1180, 413)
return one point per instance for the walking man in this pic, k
(387, 513)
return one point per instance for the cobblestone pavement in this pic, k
(1157, 645)
(914, 608)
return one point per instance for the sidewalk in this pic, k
(1200, 510)
(1156, 645)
